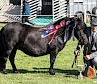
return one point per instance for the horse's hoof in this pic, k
(52, 73)
(4, 72)
(16, 72)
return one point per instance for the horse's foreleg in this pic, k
(53, 55)
(11, 59)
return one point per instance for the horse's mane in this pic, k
(81, 23)
(54, 23)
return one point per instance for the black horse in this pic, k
(28, 39)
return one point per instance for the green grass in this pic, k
(35, 70)
(1, 25)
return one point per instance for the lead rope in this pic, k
(75, 61)
(85, 65)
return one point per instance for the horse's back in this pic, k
(11, 33)
(33, 44)
(25, 38)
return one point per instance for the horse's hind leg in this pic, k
(11, 59)
(4, 60)
(8, 49)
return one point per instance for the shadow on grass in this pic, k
(67, 73)
(21, 71)
(46, 70)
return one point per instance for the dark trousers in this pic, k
(87, 62)
(25, 19)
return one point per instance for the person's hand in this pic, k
(87, 57)
(77, 52)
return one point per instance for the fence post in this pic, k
(7, 2)
(85, 16)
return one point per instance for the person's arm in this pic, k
(93, 55)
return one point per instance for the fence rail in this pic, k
(3, 3)
(59, 9)
(33, 8)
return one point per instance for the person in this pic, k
(90, 52)
(88, 16)
(94, 12)
(26, 12)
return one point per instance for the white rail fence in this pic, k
(3, 3)
(34, 6)
(59, 9)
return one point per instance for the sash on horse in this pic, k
(52, 30)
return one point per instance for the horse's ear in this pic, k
(79, 15)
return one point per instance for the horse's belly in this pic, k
(35, 52)
(35, 46)
(39, 52)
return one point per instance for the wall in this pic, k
(81, 5)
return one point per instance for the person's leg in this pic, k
(23, 19)
(87, 63)
(95, 62)
(27, 20)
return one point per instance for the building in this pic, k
(10, 10)
(48, 10)
(45, 11)
(81, 5)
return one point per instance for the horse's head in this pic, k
(71, 26)
(79, 27)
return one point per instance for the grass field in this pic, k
(35, 70)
